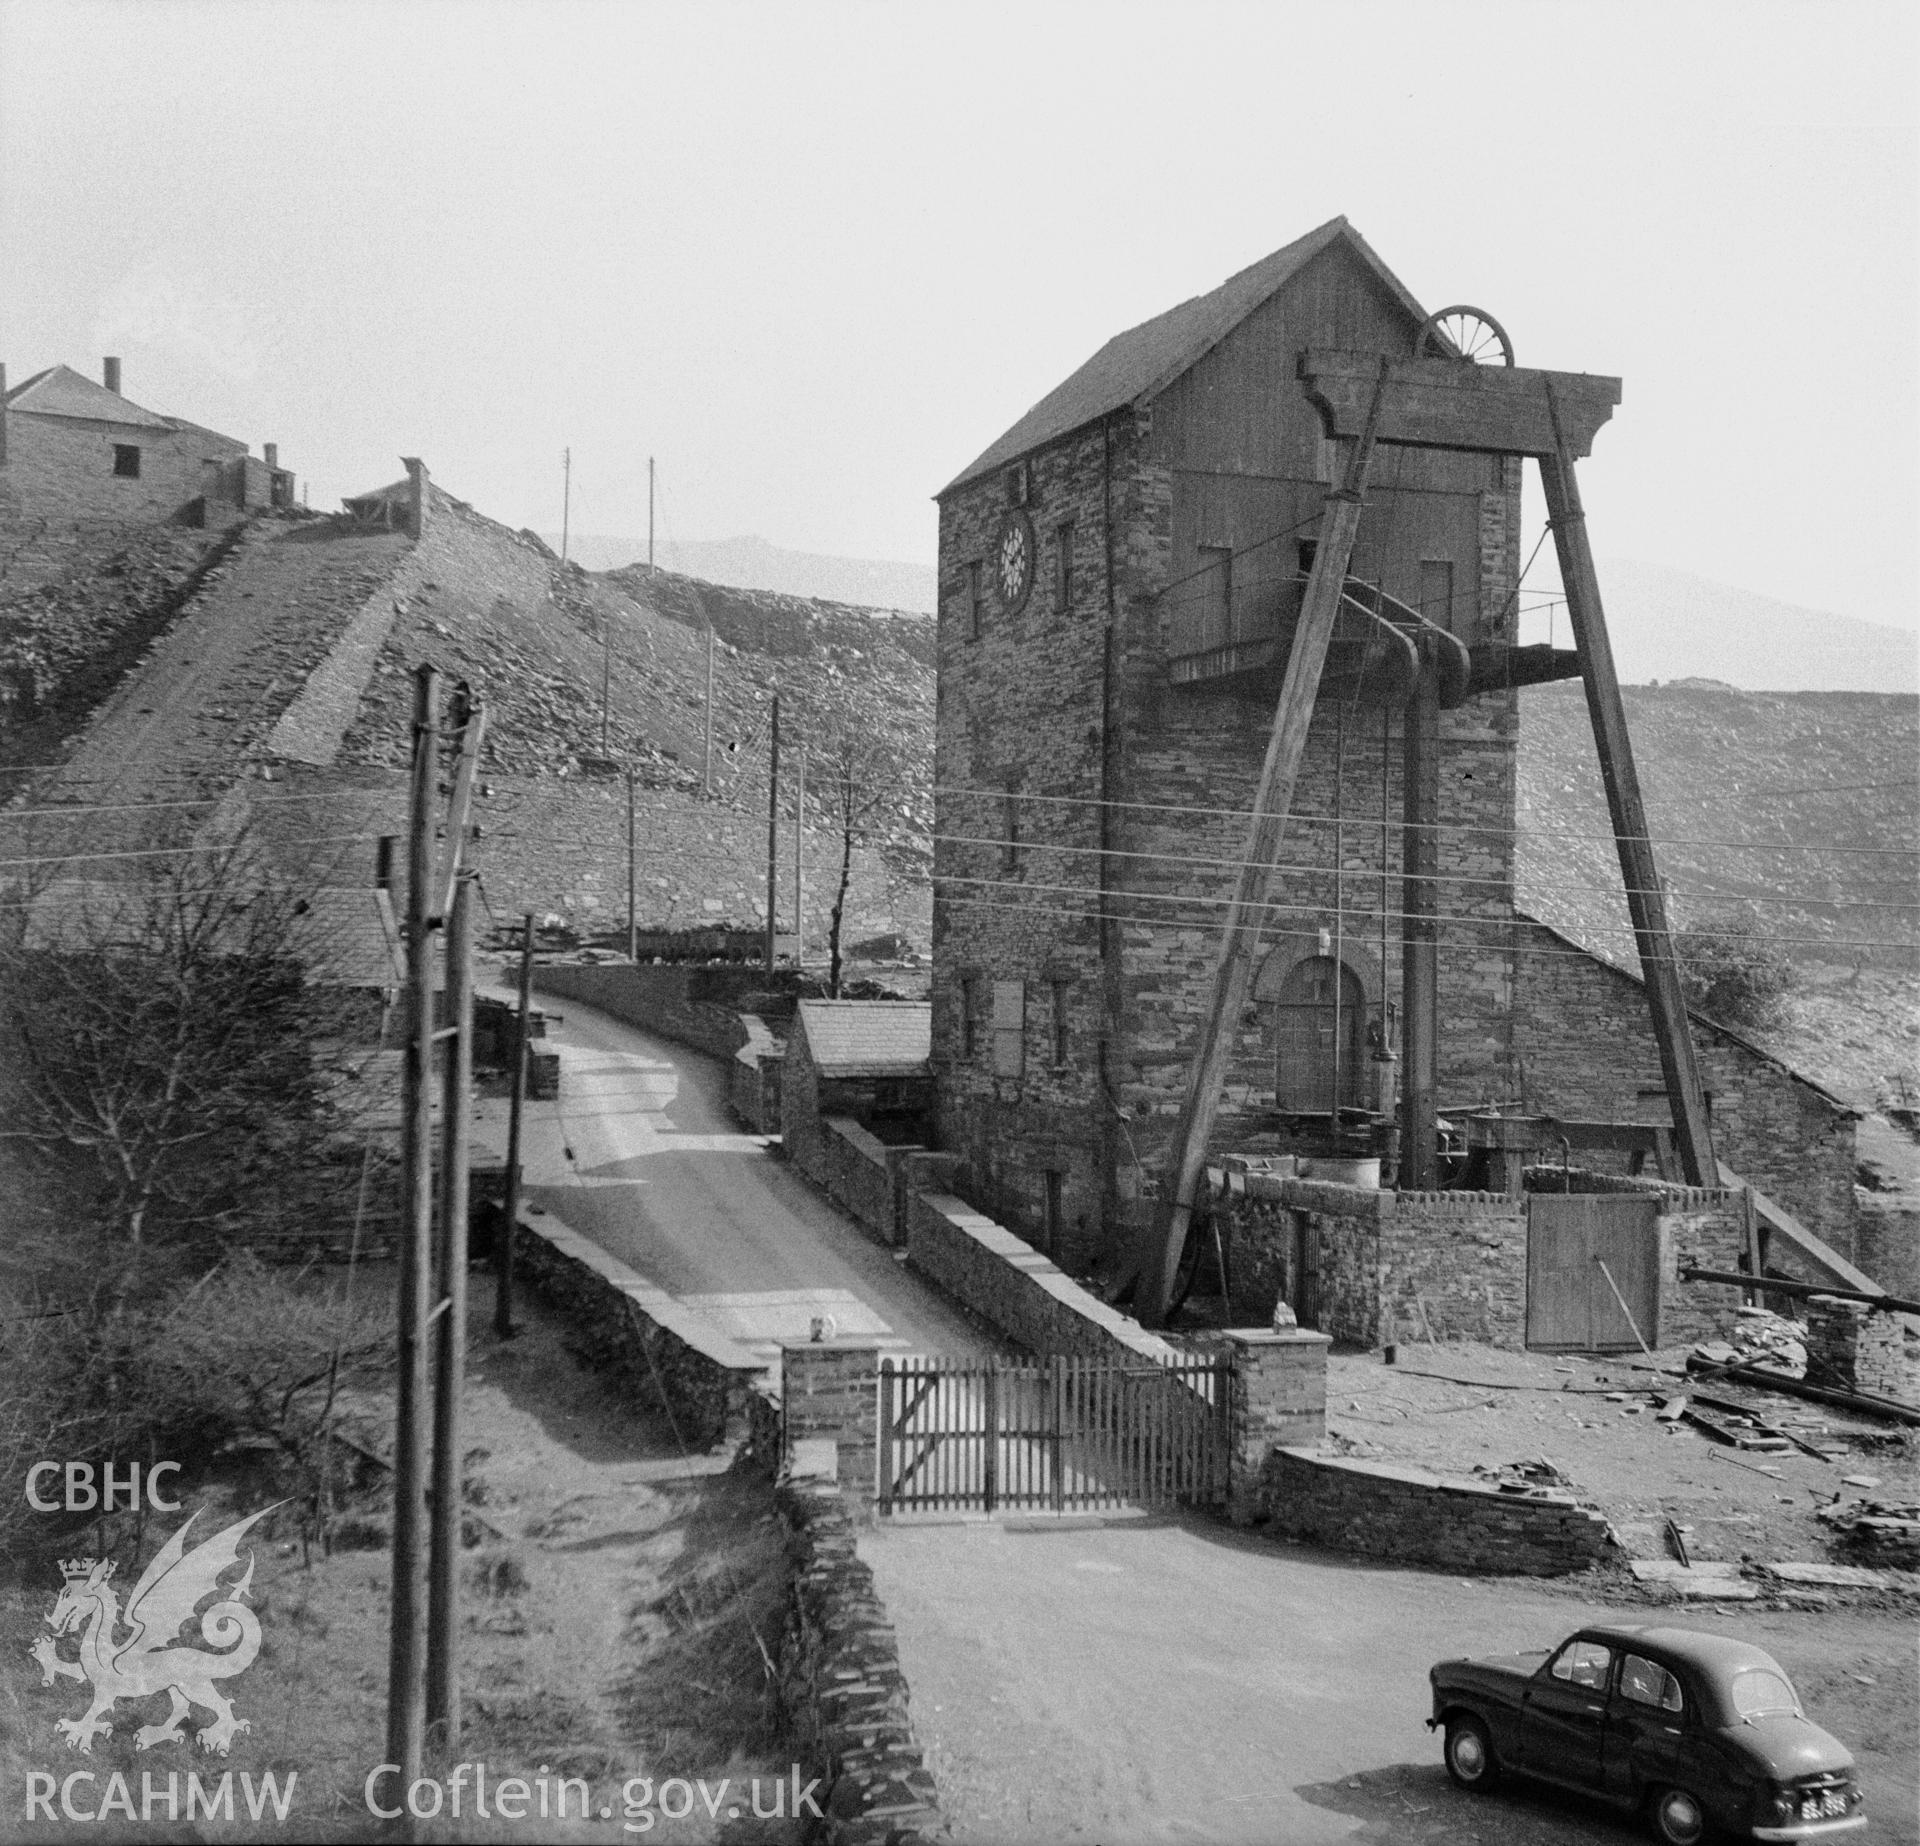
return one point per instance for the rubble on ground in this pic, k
(1760, 1338)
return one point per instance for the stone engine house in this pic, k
(1118, 578)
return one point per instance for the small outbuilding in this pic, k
(865, 1059)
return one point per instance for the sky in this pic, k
(814, 257)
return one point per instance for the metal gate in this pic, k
(1060, 1434)
(1581, 1248)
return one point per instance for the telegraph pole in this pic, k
(406, 1637)
(450, 1333)
(773, 827)
(566, 498)
(633, 936)
(649, 515)
(503, 1295)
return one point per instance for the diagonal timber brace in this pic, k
(1646, 900)
(1157, 1259)
(1440, 404)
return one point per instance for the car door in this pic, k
(1563, 1715)
(1646, 1735)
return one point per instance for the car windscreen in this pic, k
(1757, 1692)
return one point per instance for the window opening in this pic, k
(1009, 1028)
(126, 460)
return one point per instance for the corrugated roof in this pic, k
(60, 391)
(868, 1038)
(1136, 366)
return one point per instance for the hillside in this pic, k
(274, 689)
(275, 682)
(751, 563)
(1791, 816)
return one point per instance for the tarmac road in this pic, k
(641, 1155)
(1177, 1681)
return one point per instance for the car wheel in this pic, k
(1470, 1758)
(1678, 1817)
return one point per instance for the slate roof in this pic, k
(60, 391)
(1136, 366)
(868, 1038)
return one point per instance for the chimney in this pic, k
(271, 450)
(110, 374)
(417, 513)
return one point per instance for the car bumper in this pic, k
(1810, 1829)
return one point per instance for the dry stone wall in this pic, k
(1390, 1266)
(623, 1323)
(841, 1683)
(1418, 1518)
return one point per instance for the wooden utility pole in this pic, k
(633, 933)
(406, 1634)
(1646, 900)
(503, 1292)
(566, 498)
(1157, 1263)
(649, 515)
(449, 1318)
(773, 826)
(606, 673)
(799, 869)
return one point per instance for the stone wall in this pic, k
(1279, 1400)
(829, 1392)
(1886, 1240)
(1417, 1518)
(1851, 1347)
(1400, 1265)
(844, 1694)
(676, 1001)
(753, 1077)
(62, 468)
(1021, 718)
(1585, 1050)
(624, 1324)
(1015, 1289)
(862, 1175)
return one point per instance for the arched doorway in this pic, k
(1308, 1012)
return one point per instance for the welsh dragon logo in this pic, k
(150, 1659)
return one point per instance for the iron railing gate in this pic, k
(1062, 1434)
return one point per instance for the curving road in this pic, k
(641, 1154)
(1174, 1680)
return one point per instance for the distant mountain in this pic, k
(1668, 624)
(753, 564)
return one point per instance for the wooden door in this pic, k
(1575, 1243)
(1307, 1019)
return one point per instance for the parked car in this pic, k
(1700, 1732)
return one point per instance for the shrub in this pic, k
(1734, 975)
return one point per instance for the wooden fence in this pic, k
(1059, 1434)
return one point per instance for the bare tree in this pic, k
(856, 773)
(160, 1037)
